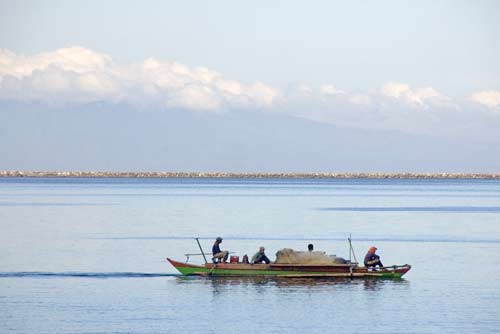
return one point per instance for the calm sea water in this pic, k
(88, 255)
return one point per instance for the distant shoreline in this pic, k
(223, 175)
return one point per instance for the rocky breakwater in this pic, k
(249, 175)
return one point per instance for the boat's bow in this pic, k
(187, 269)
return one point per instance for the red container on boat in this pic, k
(234, 259)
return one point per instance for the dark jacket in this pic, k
(371, 259)
(215, 249)
(260, 257)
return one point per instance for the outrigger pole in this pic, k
(351, 250)
(201, 249)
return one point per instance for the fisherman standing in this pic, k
(371, 259)
(217, 253)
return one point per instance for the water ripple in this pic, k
(451, 209)
(82, 274)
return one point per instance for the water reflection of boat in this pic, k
(262, 284)
(351, 270)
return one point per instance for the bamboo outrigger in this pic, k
(350, 269)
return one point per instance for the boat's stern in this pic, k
(396, 271)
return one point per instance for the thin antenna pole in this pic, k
(351, 250)
(201, 249)
(350, 247)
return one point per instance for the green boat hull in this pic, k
(262, 270)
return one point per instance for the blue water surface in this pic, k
(88, 255)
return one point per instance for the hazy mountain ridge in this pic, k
(111, 137)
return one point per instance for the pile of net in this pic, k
(289, 256)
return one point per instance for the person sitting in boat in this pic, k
(218, 255)
(260, 256)
(371, 259)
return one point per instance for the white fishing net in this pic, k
(289, 256)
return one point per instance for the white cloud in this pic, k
(395, 89)
(304, 90)
(394, 106)
(75, 59)
(490, 99)
(420, 97)
(77, 74)
(361, 99)
(197, 97)
(330, 90)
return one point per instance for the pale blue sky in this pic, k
(451, 45)
(250, 86)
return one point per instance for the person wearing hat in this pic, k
(260, 256)
(371, 259)
(219, 255)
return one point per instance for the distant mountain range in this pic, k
(108, 137)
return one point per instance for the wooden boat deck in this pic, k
(283, 266)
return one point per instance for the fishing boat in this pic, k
(288, 270)
(349, 269)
